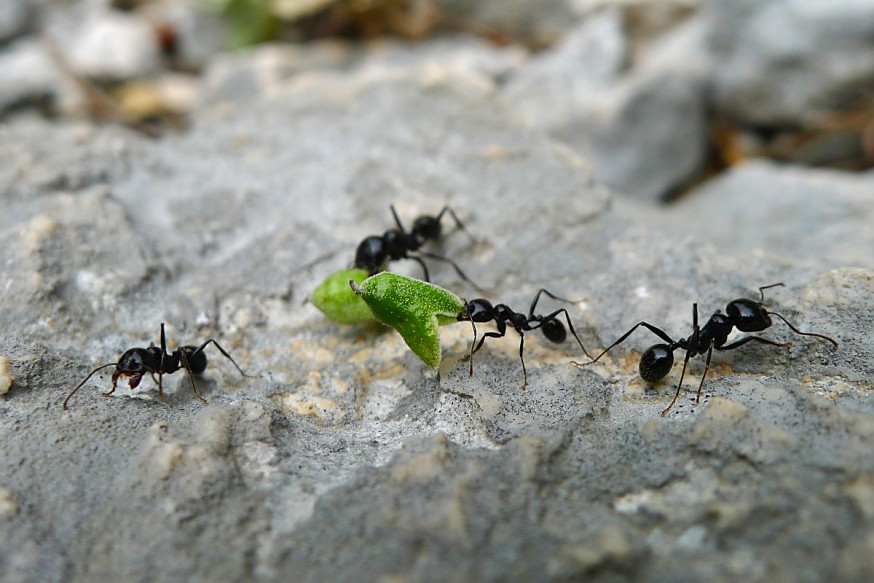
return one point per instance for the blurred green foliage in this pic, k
(249, 21)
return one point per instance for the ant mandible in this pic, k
(153, 360)
(744, 314)
(374, 251)
(481, 310)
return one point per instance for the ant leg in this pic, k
(115, 376)
(158, 382)
(85, 380)
(797, 331)
(394, 213)
(458, 222)
(522, 358)
(657, 331)
(764, 287)
(691, 348)
(223, 351)
(745, 339)
(187, 368)
(470, 356)
(550, 294)
(570, 326)
(704, 374)
(680, 384)
(483, 339)
(422, 263)
(499, 334)
(163, 352)
(454, 265)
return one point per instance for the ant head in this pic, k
(371, 254)
(478, 310)
(135, 363)
(656, 362)
(748, 315)
(138, 361)
(426, 228)
(554, 330)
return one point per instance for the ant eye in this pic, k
(338, 302)
(656, 363)
(414, 308)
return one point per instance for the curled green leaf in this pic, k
(339, 303)
(413, 307)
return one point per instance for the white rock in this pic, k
(115, 46)
(27, 73)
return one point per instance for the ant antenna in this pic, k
(797, 331)
(90, 374)
(793, 328)
(764, 287)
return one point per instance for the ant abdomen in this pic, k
(656, 363)
(554, 331)
(197, 361)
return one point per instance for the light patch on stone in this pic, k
(610, 544)
(693, 539)
(305, 405)
(651, 429)
(38, 229)
(631, 503)
(165, 457)
(861, 492)
(5, 378)
(89, 282)
(722, 409)
(424, 467)
(8, 507)
(729, 514)
(490, 403)
(719, 414)
(383, 397)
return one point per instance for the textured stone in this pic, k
(779, 62)
(15, 17)
(27, 74)
(343, 457)
(643, 129)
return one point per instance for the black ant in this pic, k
(153, 360)
(744, 314)
(374, 251)
(481, 310)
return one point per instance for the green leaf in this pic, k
(414, 308)
(338, 302)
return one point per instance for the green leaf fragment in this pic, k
(338, 302)
(414, 308)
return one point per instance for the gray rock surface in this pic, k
(27, 74)
(781, 62)
(343, 458)
(644, 128)
(540, 23)
(15, 17)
